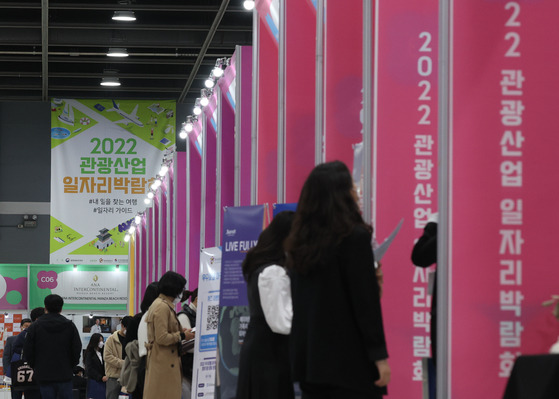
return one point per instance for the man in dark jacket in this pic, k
(53, 348)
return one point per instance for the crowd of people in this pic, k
(315, 316)
(140, 359)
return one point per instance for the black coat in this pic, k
(53, 348)
(424, 254)
(337, 332)
(94, 368)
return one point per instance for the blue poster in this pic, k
(241, 228)
(284, 207)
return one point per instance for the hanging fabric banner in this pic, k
(299, 110)
(241, 228)
(83, 287)
(244, 112)
(505, 189)
(13, 287)
(405, 152)
(194, 169)
(267, 97)
(228, 110)
(207, 318)
(104, 155)
(343, 79)
(210, 113)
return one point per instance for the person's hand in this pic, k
(105, 378)
(188, 333)
(384, 372)
(380, 277)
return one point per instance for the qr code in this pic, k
(213, 316)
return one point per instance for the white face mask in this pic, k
(101, 344)
(177, 300)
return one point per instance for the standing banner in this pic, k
(405, 152)
(104, 155)
(505, 190)
(299, 109)
(13, 287)
(83, 287)
(267, 98)
(205, 350)
(241, 228)
(343, 79)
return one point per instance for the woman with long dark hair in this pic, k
(95, 367)
(264, 362)
(338, 349)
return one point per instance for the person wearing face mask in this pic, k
(95, 367)
(114, 358)
(163, 366)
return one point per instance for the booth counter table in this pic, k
(534, 377)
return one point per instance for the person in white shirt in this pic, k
(264, 369)
(96, 328)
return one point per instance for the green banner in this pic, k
(83, 287)
(104, 156)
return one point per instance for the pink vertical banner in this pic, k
(343, 78)
(150, 242)
(180, 223)
(171, 221)
(137, 269)
(194, 168)
(143, 272)
(244, 79)
(406, 178)
(156, 235)
(299, 67)
(267, 98)
(163, 240)
(505, 191)
(210, 113)
(227, 85)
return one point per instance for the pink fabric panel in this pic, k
(195, 171)
(300, 39)
(267, 115)
(406, 180)
(505, 189)
(180, 223)
(343, 78)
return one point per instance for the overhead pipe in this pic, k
(204, 49)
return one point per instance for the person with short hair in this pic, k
(114, 358)
(163, 366)
(16, 355)
(8, 352)
(96, 328)
(53, 348)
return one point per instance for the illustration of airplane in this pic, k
(67, 115)
(128, 118)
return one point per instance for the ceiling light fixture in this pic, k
(249, 4)
(126, 16)
(110, 81)
(117, 52)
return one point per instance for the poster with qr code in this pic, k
(203, 379)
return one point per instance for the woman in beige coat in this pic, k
(163, 366)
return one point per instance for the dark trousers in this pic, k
(321, 391)
(56, 390)
(29, 394)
